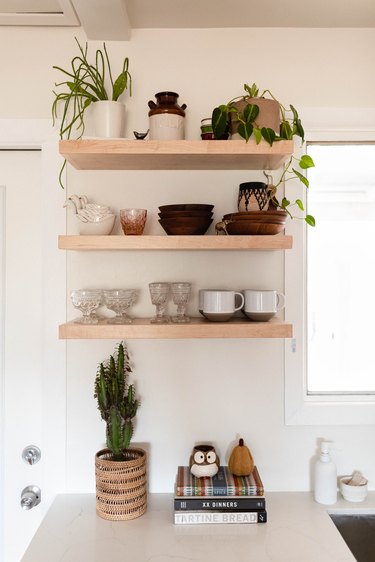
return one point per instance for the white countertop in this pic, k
(298, 530)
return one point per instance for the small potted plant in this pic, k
(253, 114)
(121, 484)
(87, 84)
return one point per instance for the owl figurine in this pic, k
(204, 461)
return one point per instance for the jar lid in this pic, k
(167, 93)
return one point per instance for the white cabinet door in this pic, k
(27, 390)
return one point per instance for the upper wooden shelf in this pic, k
(198, 328)
(119, 242)
(175, 155)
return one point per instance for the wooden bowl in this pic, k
(258, 216)
(176, 214)
(253, 227)
(187, 207)
(263, 220)
(185, 225)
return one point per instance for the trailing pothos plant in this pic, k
(290, 173)
(290, 126)
(290, 122)
(116, 401)
(86, 83)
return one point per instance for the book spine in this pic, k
(224, 491)
(235, 504)
(215, 517)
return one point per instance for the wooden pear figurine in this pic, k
(241, 462)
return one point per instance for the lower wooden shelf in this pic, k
(198, 328)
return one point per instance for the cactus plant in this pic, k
(116, 401)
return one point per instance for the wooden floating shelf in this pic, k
(82, 243)
(198, 328)
(124, 154)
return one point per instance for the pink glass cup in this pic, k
(133, 221)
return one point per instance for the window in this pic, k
(329, 374)
(341, 269)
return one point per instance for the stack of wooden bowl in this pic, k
(189, 219)
(255, 222)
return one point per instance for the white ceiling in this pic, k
(251, 13)
(114, 19)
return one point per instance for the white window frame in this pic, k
(334, 126)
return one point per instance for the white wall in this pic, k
(195, 390)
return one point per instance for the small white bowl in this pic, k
(99, 228)
(352, 493)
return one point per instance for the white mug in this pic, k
(263, 301)
(215, 301)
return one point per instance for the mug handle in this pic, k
(242, 302)
(280, 301)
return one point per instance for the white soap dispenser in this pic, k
(325, 477)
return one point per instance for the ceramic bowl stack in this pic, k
(185, 219)
(255, 222)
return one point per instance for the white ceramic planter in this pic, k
(109, 119)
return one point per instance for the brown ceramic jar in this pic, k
(167, 118)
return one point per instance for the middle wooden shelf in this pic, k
(198, 328)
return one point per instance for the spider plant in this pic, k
(84, 84)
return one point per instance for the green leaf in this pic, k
(285, 202)
(251, 112)
(300, 204)
(301, 177)
(299, 129)
(286, 130)
(310, 220)
(257, 134)
(119, 86)
(295, 113)
(253, 91)
(306, 162)
(245, 130)
(87, 103)
(268, 134)
(220, 120)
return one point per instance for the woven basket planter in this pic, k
(121, 486)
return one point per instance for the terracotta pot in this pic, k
(269, 115)
(121, 486)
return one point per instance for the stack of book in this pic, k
(224, 498)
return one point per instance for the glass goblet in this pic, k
(87, 301)
(159, 295)
(119, 300)
(94, 313)
(180, 295)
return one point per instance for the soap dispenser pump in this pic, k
(325, 477)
